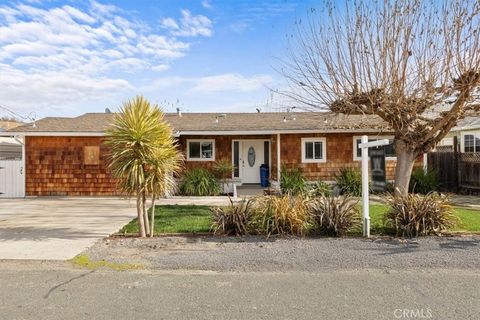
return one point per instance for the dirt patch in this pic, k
(288, 254)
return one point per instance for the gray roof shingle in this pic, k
(208, 122)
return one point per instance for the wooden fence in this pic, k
(458, 172)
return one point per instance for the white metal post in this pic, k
(278, 159)
(365, 210)
(425, 162)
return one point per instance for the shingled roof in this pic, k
(191, 123)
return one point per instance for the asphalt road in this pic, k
(250, 278)
(48, 292)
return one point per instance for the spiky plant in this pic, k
(160, 179)
(139, 137)
(286, 214)
(413, 214)
(233, 219)
(349, 181)
(223, 170)
(199, 182)
(335, 216)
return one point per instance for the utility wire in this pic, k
(30, 117)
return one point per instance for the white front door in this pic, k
(11, 179)
(252, 156)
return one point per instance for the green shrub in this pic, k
(413, 214)
(319, 188)
(335, 216)
(223, 169)
(424, 181)
(286, 214)
(199, 182)
(349, 181)
(292, 181)
(233, 219)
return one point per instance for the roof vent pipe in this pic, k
(179, 112)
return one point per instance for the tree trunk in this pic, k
(152, 216)
(140, 216)
(403, 171)
(145, 213)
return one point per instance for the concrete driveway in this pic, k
(58, 228)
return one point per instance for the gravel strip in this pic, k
(290, 254)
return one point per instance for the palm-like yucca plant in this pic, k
(160, 179)
(140, 139)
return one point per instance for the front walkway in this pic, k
(466, 201)
(58, 228)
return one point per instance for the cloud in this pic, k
(206, 4)
(45, 91)
(250, 13)
(228, 82)
(189, 25)
(67, 54)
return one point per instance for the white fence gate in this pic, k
(12, 184)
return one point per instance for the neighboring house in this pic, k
(467, 134)
(67, 156)
(8, 124)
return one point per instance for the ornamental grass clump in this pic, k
(233, 219)
(334, 216)
(292, 181)
(280, 215)
(413, 214)
(199, 182)
(319, 189)
(424, 181)
(349, 181)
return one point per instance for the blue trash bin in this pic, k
(264, 175)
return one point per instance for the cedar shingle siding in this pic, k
(339, 153)
(59, 164)
(56, 166)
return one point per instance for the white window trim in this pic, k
(355, 138)
(476, 134)
(324, 150)
(201, 141)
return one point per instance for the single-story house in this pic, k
(67, 156)
(467, 134)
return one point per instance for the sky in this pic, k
(65, 58)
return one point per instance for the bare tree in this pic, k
(413, 63)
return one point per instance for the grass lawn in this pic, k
(194, 219)
(177, 218)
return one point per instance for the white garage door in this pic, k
(11, 179)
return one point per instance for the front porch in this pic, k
(247, 153)
(248, 190)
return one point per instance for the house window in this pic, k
(200, 150)
(236, 159)
(314, 150)
(471, 143)
(389, 149)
